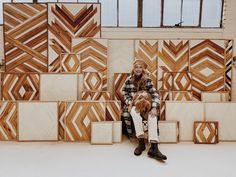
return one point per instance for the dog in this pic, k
(142, 101)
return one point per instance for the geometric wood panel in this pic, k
(173, 57)
(8, 121)
(113, 110)
(93, 55)
(162, 110)
(70, 63)
(181, 95)
(92, 81)
(96, 95)
(147, 50)
(67, 21)
(101, 132)
(61, 120)
(58, 87)
(20, 86)
(25, 29)
(228, 64)
(169, 131)
(207, 65)
(224, 113)
(182, 81)
(205, 132)
(164, 95)
(186, 113)
(167, 81)
(79, 116)
(119, 81)
(38, 121)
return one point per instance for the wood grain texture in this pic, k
(182, 81)
(93, 81)
(96, 95)
(228, 64)
(61, 120)
(25, 32)
(113, 110)
(181, 95)
(70, 63)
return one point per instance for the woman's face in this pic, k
(138, 69)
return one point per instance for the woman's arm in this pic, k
(152, 90)
(126, 92)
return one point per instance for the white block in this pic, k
(37, 121)
(225, 114)
(117, 132)
(58, 87)
(169, 131)
(211, 96)
(186, 113)
(101, 132)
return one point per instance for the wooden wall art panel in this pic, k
(70, 63)
(96, 95)
(113, 110)
(26, 36)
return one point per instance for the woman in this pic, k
(139, 81)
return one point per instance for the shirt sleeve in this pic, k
(155, 97)
(126, 92)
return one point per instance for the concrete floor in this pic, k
(85, 160)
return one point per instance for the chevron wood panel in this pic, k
(96, 95)
(162, 110)
(173, 57)
(207, 65)
(169, 131)
(167, 81)
(25, 32)
(164, 95)
(205, 132)
(147, 50)
(66, 22)
(228, 64)
(79, 116)
(8, 121)
(93, 81)
(20, 86)
(182, 81)
(119, 81)
(70, 63)
(61, 120)
(113, 110)
(182, 95)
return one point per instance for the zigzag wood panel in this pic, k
(79, 116)
(8, 121)
(147, 50)
(119, 81)
(186, 113)
(96, 95)
(113, 110)
(207, 65)
(25, 31)
(224, 113)
(228, 64)
(20, 86)
(182, 95)
(93, 56)
(68, 21)
(205, 132)
(173, 57)
(167, 82)
(70, 63)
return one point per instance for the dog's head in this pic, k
(142, 102)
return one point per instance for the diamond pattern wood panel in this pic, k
(113, 110)
(20, 86)
(205, 132)
(25, 30)
(207, 65)
(79, 116)
(228, 64)
(119, 81)
(182, 95)
(68, 21)
(147, 50)
(182, 81)
(96, 95)
(173, 57)
(8, 121)
(70, 63)
(93, 81)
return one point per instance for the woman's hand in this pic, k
(153, 112)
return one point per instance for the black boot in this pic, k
(141, 147)
(155, 153)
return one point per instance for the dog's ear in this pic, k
(138, 106)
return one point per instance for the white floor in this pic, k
(85, 160)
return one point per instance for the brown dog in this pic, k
(143, 102)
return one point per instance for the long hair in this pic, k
(139, 82)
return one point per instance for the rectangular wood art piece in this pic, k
(67, 21)
(182, 81)
(93, 81)
(8, 121)
(207, 65)
(79, 116)
(70, 63)
(205, 132)
(113, 110)
(26, 37)
(101, 132)
(181, 95)
(173, 57)
(147, 50)
(20, 86)
(169, 131)
(96, 95)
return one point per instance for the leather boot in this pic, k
(141, 147)
(155, 153)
